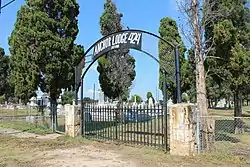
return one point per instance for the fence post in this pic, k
(76, 85)
(72, 120)
(177, 74)
(116, 122)
(182, 130)
(165, 111)
(198, 138)
(82, 114)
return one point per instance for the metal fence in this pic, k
(229, 133)
(137, 125)
(26, 117)
(60, 123)
(23, 118)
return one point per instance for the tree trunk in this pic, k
(119, 112)
(228, 105)
(209, 103)
(207, 125)
(53, 105)
(238, 123)
(207, 128)
(215, 102)
(229, 102)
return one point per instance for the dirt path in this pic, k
(54, 150)
(85, 156)
(79, 156)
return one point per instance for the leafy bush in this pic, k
(185, 97)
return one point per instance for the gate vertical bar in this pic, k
(165, 111)
(82, 121)
(53, 120)
(116, 122)
(198, 137)
(76, 85)
(178, 74)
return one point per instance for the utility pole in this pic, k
(156, 93)
(94, 92)
(7, 4)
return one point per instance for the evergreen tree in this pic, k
(116, 69)
(232, 38)
(4, 66)
(67, 97)
(169, 31)
(150, 95)
(188, 76)
(136, 98)
(42, 48)
(6, 90)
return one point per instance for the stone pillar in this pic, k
(72, 120)
(182, 130)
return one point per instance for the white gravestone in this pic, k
(150, 102)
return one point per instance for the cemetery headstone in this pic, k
(150, 102)
(170, 102)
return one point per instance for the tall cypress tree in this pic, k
(5, 87)
(116, 69)
(169, 31)
(42, 47)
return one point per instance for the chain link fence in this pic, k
(25, 118)
(60, 120)
(228, 134)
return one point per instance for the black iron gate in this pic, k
(121, 122)
(139, 125)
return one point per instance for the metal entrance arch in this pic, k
(175, 47)
(129, 39)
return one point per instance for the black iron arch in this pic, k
(135, 30)
(96, 58)
(79, 77)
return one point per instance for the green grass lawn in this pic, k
(229, 112)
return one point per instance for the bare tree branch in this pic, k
(207, 15)
(214, 57)
(207, 72)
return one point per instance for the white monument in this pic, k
(134, 103)
(170, 102)
(150, 102)
(101, 97)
